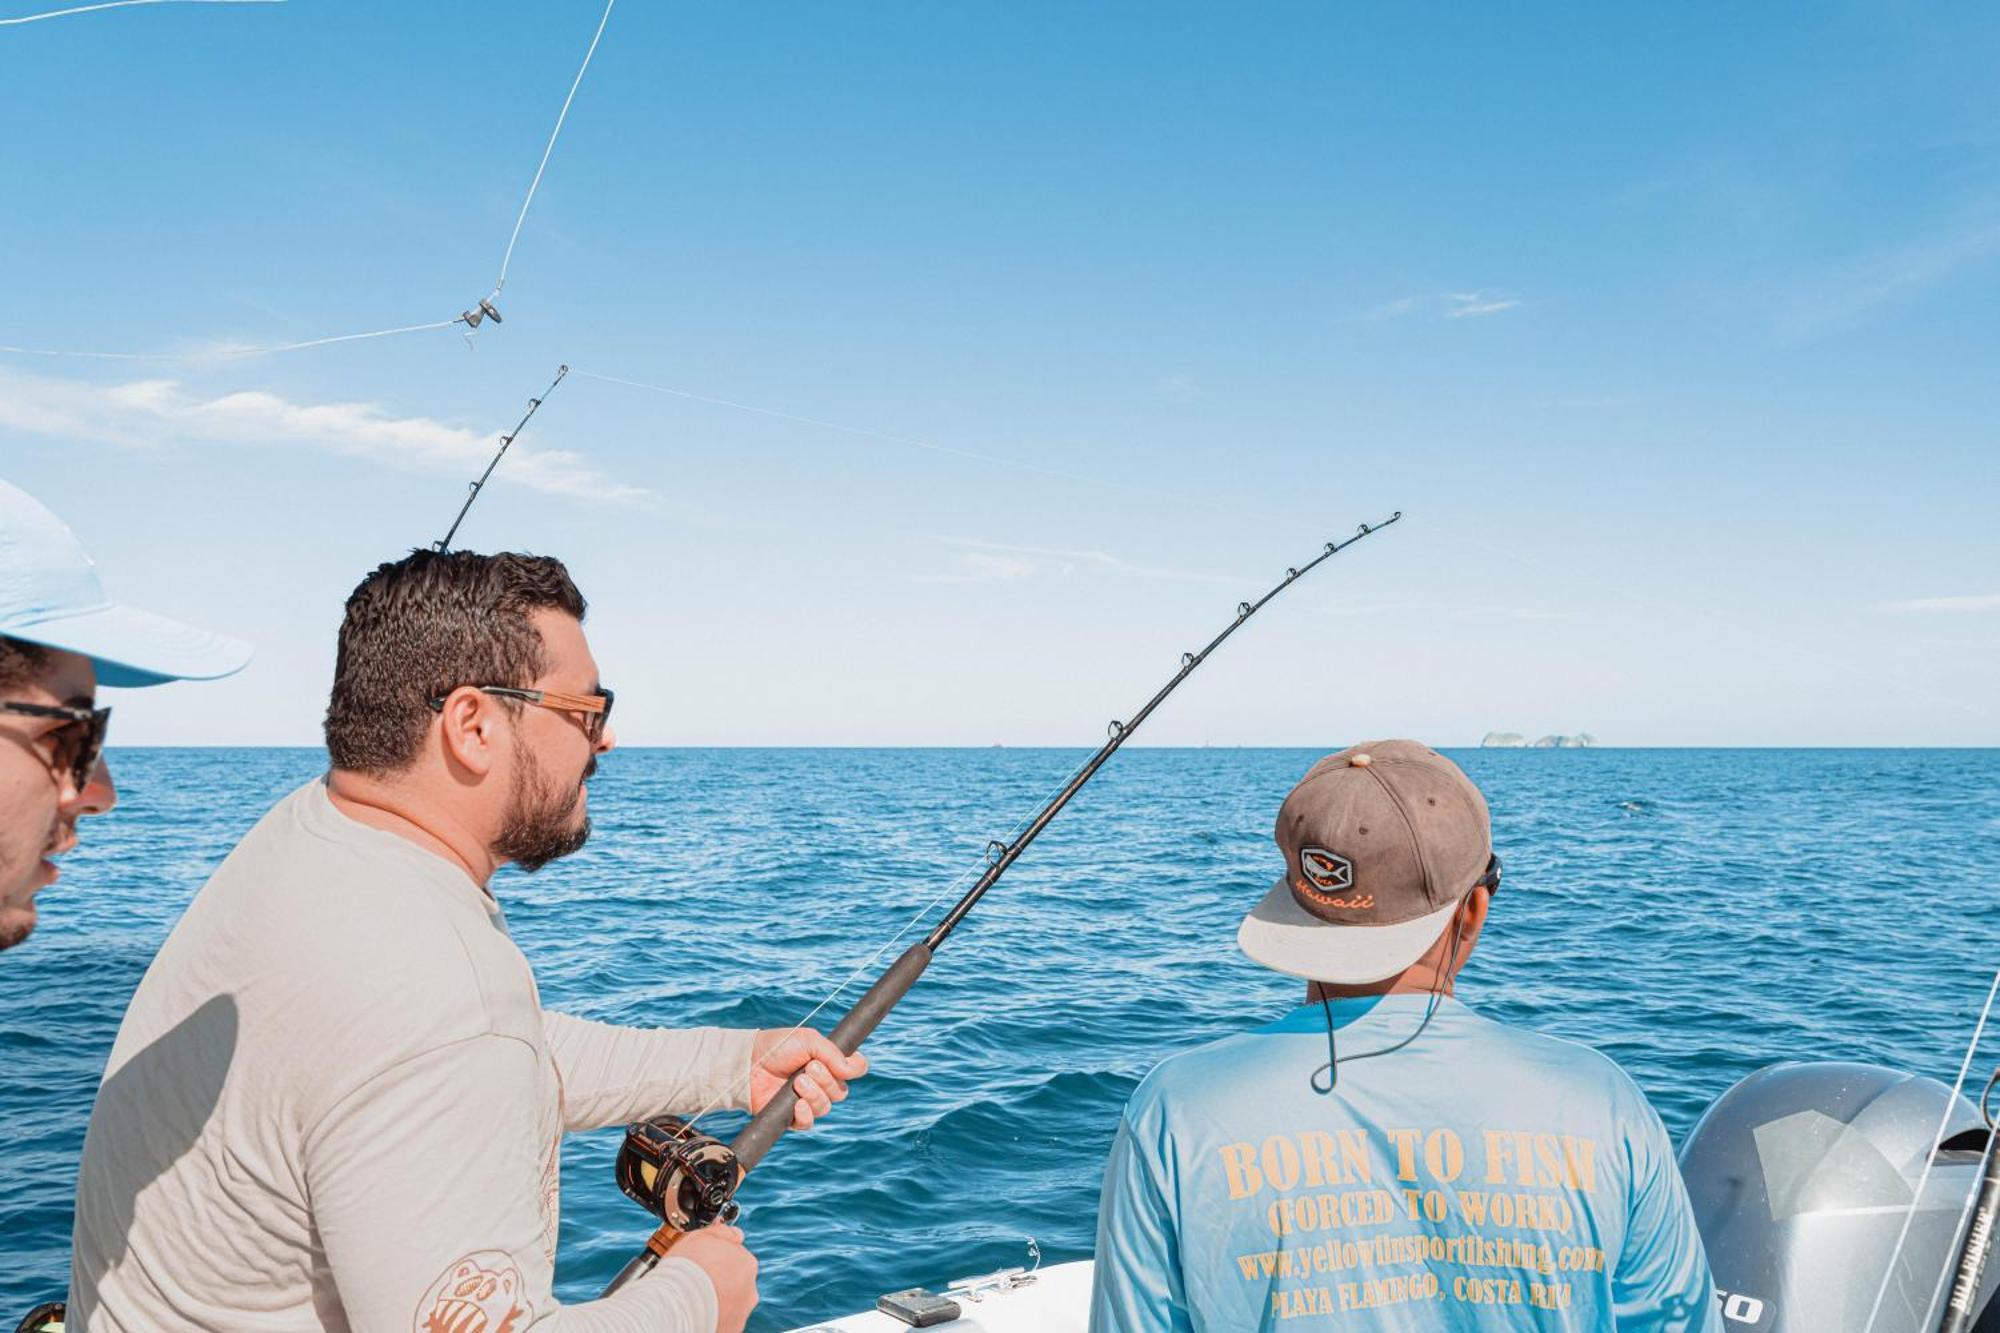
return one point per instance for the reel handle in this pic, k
(776, 1117)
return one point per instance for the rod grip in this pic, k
(771, 1123)
(642, 1264)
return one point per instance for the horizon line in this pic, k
(996, 745)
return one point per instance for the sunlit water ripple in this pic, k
(1695, 914)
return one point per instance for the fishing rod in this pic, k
(534, 404)
(1972, 1241)
(687, 1179)
(1968, 1268)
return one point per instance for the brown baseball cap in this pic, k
(1381, 842)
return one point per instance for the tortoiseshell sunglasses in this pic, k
(596, 708)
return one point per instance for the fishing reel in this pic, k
(44, 1319)
(678, 1174)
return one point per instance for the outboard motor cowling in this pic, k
(1802, 1176)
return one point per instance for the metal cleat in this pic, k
(976, 1289)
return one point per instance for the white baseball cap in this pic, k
(50, 595)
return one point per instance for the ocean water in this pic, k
(1694, 914)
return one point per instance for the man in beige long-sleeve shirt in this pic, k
(335, 1101)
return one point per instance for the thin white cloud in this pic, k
(987, 567)
(1392, 309)
(1380, 608)
(994, 562)
(1452, 609)
(1520, 613)
(1475, 305)
(1976, 604)
(146, 413)
(1850, 294)
(1445, 305)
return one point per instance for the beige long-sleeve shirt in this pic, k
(336, 1103)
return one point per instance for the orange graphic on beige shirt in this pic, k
(481, 1293)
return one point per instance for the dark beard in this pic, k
(11, 932)
(537, 829)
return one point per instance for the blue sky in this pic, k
(1670, 330)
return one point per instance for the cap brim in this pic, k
(130, 647)
(1283, 936)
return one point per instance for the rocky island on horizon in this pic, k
(1514, 740)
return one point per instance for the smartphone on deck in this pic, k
(917, 1307)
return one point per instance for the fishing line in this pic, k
(230, 353)
(1923, 1178)
(688, 1179)
(1972, 1199)
(561, 116)
(835, 425)
(876, 957)
(1037, 469)
(125, 4)
(472, 318)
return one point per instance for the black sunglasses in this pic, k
(1490, 881)
(596, 708)
(78, 743)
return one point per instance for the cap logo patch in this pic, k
(1324, 876)
(1326, 871)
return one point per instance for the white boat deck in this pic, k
(1057, 1300)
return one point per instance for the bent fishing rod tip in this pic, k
(773, 1121)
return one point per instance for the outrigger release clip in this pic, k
(484, 310)
(675, 1172)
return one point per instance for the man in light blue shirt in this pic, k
(1384, 1158)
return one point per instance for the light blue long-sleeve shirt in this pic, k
(1480, 1178)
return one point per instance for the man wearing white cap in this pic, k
(61, 638)
(1384, 1158)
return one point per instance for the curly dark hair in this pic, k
(20, 661)
(422, 626)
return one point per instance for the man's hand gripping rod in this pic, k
(688, 1180)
